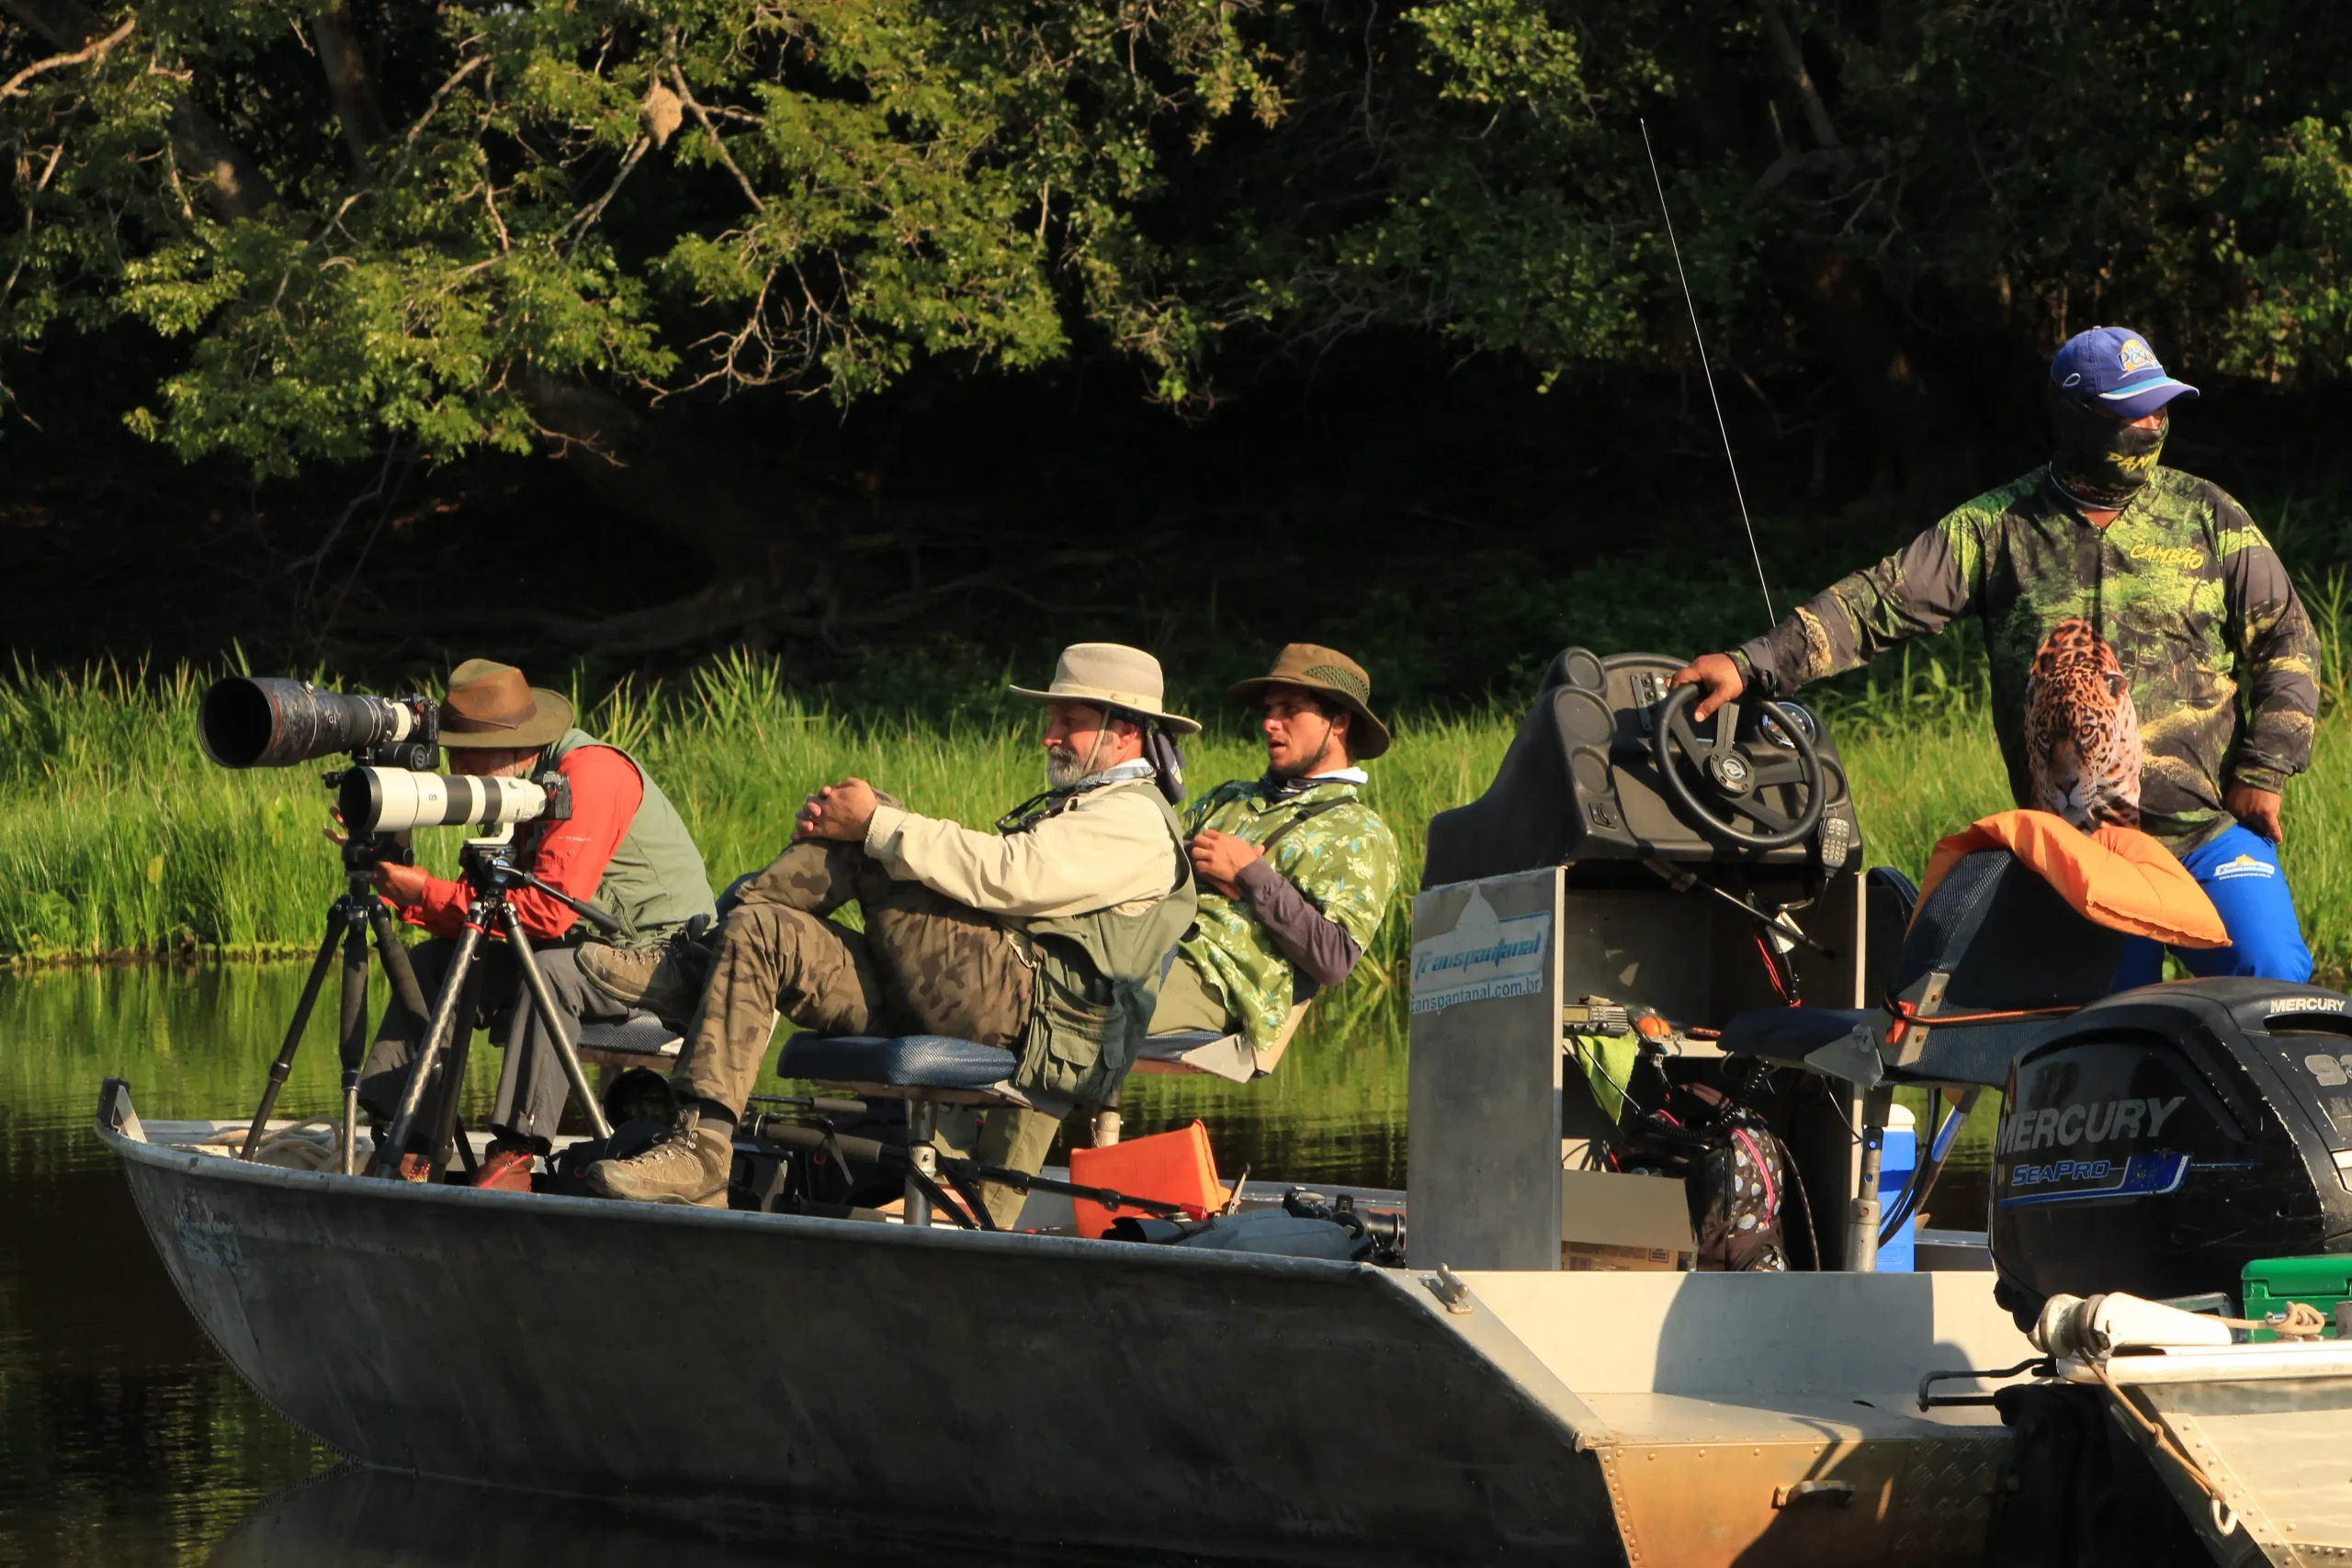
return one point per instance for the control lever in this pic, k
(1776, 925)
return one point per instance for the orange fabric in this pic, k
(2119, 878)
(1174, 1167)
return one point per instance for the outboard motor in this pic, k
(2165, 1138)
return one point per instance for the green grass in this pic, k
(117, 838)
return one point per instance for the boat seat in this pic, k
(1994, 937)
(936, 1067)
(1203, 1051)
(926, 1071)
(1228, 1057)
(640, 1040)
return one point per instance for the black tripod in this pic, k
(350, 919)
(492, 873)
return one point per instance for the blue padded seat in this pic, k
(908, 1061)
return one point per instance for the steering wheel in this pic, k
(1730, 777)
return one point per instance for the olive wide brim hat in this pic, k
(1110, 675)
(490, 704)
(1327, 672)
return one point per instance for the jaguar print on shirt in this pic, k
(2082, 732)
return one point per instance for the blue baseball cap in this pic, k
(2115, 371)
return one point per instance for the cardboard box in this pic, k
(1592, 1257)
(1611, 1223)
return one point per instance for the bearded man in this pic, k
(2151, 664)
(1296, 870)
(1046, 937)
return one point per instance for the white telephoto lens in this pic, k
(394, 800)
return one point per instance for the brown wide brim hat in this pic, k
(1330, 674)
(491, 705)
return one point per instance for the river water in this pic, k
(126, 1441)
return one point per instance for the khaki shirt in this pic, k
(1109, 848)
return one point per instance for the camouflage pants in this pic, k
(924, 964)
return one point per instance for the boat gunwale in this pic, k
(206, 1167)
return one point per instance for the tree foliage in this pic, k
(356, 222)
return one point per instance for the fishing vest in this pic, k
(655, 882)
(1098, 979)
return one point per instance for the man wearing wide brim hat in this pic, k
(624, 849)
(1046, 937)
(1297, 870)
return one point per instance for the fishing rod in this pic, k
(1772, 617)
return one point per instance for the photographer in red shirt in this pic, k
(624, 849)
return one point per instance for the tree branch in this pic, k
(346, 68)
(234, 186)
(1792, 58)
(702, 118)
(14, 85)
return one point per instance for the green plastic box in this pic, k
(2268, 1284)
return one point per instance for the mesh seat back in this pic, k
(2007, 939)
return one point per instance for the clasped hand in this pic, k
(842, 811)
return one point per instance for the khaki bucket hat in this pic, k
(1329, 672)
(490, 704)
(1110, 675)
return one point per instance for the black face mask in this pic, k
(2101, 461)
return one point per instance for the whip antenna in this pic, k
(1772, 617)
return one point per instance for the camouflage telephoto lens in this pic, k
(260, 721)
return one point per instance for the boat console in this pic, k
(1630, 868)
(1628, 862)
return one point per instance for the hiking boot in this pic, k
(690, 1165)
(507, 1169)
(665, 981)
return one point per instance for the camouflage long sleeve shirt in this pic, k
(1342, 859)
(2120, 656)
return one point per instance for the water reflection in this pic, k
(360, 1520)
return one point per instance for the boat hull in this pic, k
(1045, 1388)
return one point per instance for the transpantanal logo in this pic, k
(1485, 958)
(2136, 356)
(2244, 866)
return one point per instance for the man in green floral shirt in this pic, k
(1296, 870)
(2151, 664)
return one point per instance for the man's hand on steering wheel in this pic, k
(1718, 673)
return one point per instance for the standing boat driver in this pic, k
(1044, 937)
(2151, 664)
(1295, 869)
(624, 849)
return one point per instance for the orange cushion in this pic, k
(1174, 1167)
(2119, 878)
